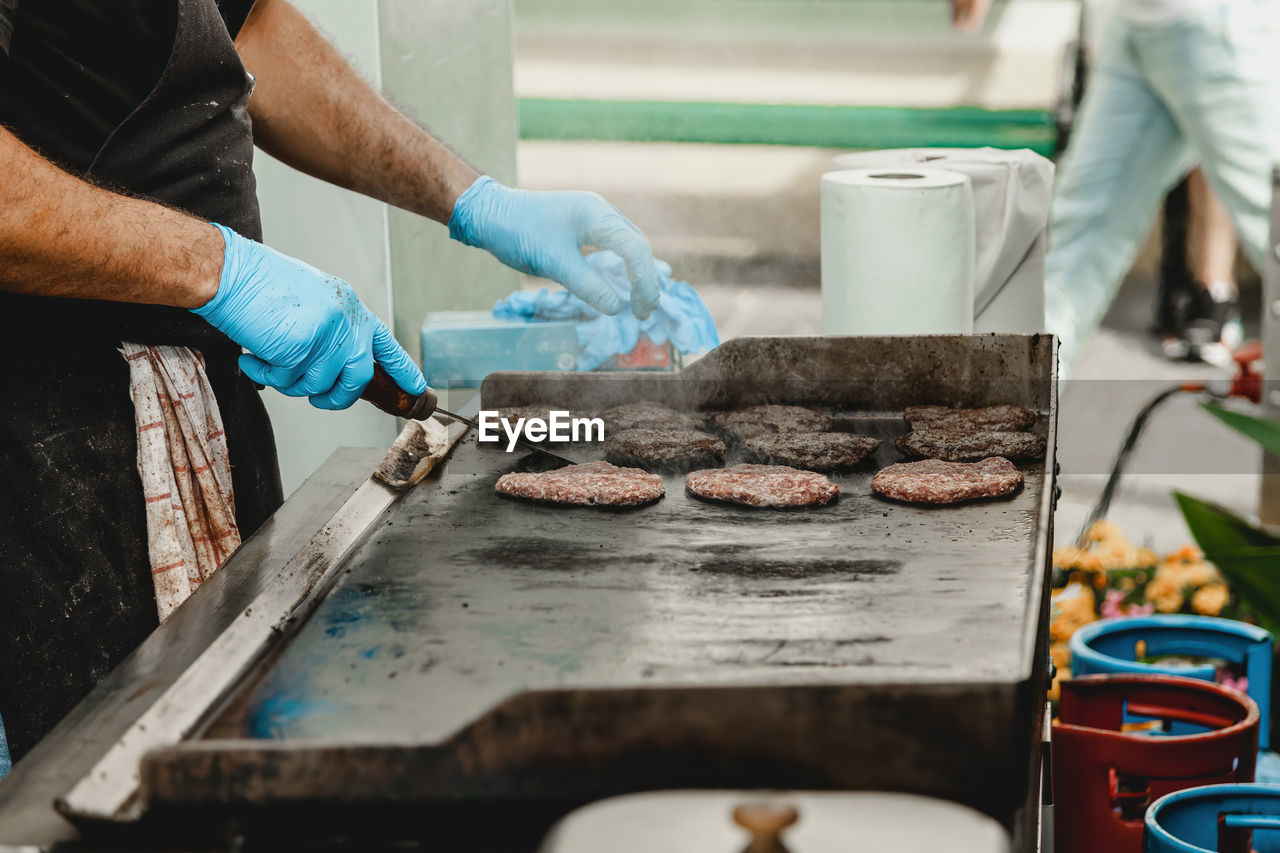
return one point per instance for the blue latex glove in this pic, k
(682, 317)
(307, 333)
(543, 233)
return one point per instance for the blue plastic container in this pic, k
(1198, 819)
(461, 348)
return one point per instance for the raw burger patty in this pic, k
(588, 484)
(647, 415)
(964, 445)
(762, 485)
(812, 451)
(664, 448)
(933, 481)
(1000, 418)
(762, 420)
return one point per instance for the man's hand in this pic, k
(542, 233)
(307, 333)
(313, 111)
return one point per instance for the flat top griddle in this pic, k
(461, 599)
(478, 650)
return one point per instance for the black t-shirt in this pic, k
(73, 70)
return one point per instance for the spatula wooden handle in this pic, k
(384, 393)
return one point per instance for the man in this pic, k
(128, 130)
(1176, 81)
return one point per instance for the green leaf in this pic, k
(1218, 529)
(1248, 557)
(1262, 430)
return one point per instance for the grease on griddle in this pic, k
(544, 555)
(797, 569)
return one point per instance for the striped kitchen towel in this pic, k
(185, 469)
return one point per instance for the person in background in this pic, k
(1176, 82)
(1187, 319)
(129, 222)
(967, 16)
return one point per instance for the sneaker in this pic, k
(1211, 329)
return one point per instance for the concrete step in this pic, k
(898, 53)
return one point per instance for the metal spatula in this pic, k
(384, 393)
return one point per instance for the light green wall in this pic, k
(447, 64)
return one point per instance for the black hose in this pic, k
(1122, 460)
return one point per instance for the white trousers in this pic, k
(1203, 89)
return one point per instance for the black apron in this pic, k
(76, 594)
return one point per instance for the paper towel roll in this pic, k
(897, 252)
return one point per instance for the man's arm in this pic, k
(60, 236)
(313, 111)
(307, 333)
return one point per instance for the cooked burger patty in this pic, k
(666, 449)
(934, 481)
(648, 415)
(812, 451)
(761, 420)
(999, 418)
(964, 445)
(588, 484)
(762, 485)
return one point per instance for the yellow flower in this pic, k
(1165, 594)
(1072, 606)
(1104, 530)
(1210, 599)
(1067, 558)
(1187, 573)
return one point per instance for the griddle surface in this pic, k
(462, 598)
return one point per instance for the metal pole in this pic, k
(1269, 502)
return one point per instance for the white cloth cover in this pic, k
(185, 470)
(1012, 191)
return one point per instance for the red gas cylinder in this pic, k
(1106, 773)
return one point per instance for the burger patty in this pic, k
(998, 418)
(588, 484)
(762, 420)
(762, 486)
(812, 451)
(933, 481)
(665, 449)
(648, 415)
(965, 445)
